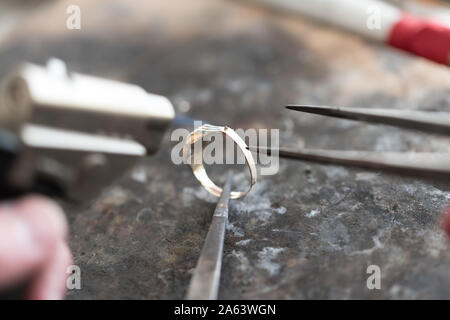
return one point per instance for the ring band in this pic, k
(199, 170)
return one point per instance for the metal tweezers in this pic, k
(421, 164)
(205, 281)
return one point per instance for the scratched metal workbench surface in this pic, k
(308, 232)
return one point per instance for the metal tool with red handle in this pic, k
(378, 21)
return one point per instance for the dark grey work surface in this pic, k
(308, 232)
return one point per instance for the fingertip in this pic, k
(46, 217)
(51, 281)
(19, 252)
(64, 259)
(33, 231)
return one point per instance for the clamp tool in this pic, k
(67, 135)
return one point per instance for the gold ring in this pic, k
(199, 170)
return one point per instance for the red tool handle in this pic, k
(421, 37)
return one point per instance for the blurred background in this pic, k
(308, 232)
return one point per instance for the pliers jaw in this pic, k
(69, 135)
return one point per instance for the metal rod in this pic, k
(430, 165)
(205, 281)
(427, 121)
(182, 121)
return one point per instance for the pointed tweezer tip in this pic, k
(302, 107)
(292, 107)
(259, 149)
